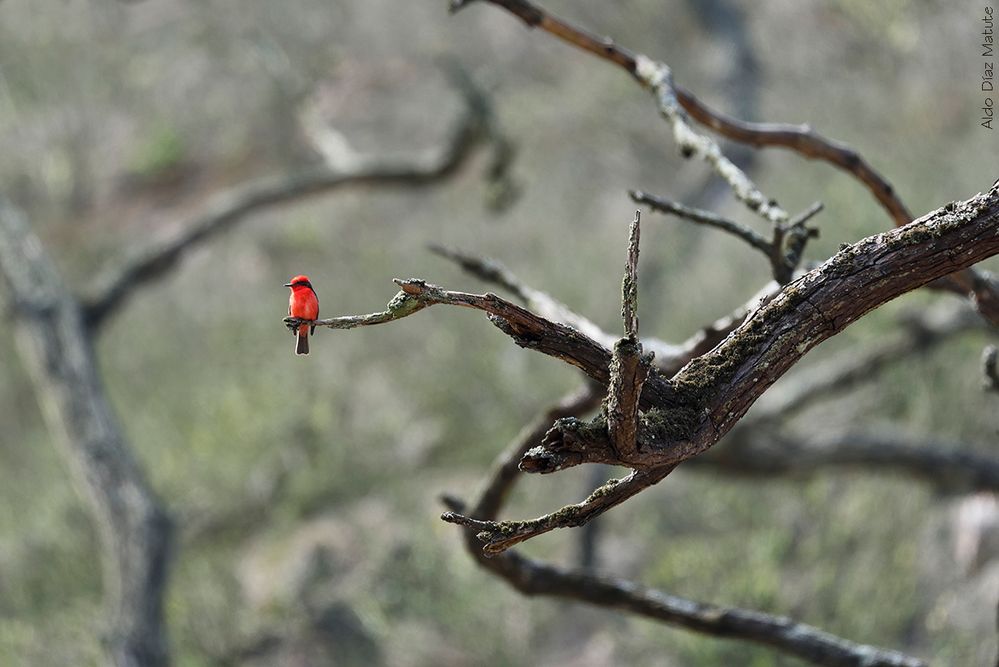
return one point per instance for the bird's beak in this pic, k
(287, 284)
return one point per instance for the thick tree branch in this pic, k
(687, 414)
(712, 393)
(979, 287)
(919, 333)
(134, 528)
(151, 262)
(533, 577)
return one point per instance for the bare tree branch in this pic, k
(658, 78)
(532, 577)
(668, 355)
(712, 393)
(790, 242)
(500, 536)
(689, 413)
(629, 289)
(527, 329)
(783, 251)
(950, 468)
(629, 366)
(151, 262)
(134, 528)
(979, 287)
(702, 217)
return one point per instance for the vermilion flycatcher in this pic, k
(303, 304)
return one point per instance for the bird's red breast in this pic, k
(303, 303)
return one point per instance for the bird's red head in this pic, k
(299, 282)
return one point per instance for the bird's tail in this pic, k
(302, 347)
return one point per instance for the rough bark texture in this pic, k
(134, 528)
(689, 413)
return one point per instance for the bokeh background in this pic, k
(307, 488)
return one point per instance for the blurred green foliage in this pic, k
(159, 152)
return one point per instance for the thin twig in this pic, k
(783, 251)
(498, 536)
(547, 306)
(658, 78)
(790, 241)
(629, 289)
(754, 239)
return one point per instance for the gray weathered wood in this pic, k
(134, 528)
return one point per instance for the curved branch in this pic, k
(150, 263)
(668, 357)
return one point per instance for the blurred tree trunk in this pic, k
(134, 528)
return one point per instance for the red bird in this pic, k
(303, 304)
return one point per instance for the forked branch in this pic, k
(687, 414)
(533, 577)
(979, 287)
(784, 250)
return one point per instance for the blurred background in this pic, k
(306, 489)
